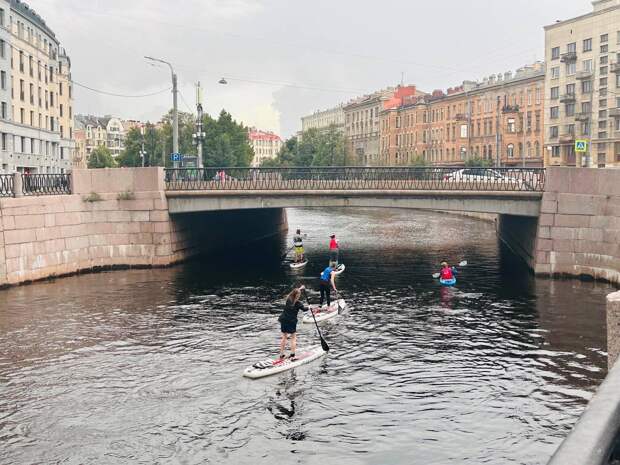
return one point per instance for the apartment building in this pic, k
(582, 87)
(36, 134)
(96, 131)
(499, 119)
(323, 120)
(266, 145)
(362, 124)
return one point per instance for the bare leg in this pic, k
(283, 343)
(293, 343)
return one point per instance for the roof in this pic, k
(600, 7)
(255, 134)
(31, 15)
(81, 121)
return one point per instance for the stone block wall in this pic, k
(579, 224)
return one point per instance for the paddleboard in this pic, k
(339, 269)
(447, 282)
(272, 367)
(296, 266)
(323, 313)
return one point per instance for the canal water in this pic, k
(145, 366)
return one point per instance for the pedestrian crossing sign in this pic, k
(581, 146)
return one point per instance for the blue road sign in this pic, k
(176, 157)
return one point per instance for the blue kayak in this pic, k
(447, 282)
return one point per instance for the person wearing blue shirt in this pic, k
(326, 283)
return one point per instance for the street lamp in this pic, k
(175, 113)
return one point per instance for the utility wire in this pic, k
(112, 94)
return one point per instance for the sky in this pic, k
(284, 59)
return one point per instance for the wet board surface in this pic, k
(275, 366)
(296, 266)
(340, 269)
(323, 313)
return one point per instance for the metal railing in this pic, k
(356, 178)
(6, 185)
(46, 184)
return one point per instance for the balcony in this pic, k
(567, 98)
(584, 75)
(582, 116)
(510, 109)
(614, 112)
(460, 117)
(567, 138)
(568, 57)
(614, 67)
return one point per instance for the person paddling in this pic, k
(447, 273)
(333, 251)
(326, 283)
(288, 321)
(298, 243)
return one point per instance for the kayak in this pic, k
(272, 367)
(447, 282)
(296, 266)
(339, 269)
(323, 313)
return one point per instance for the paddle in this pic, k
(462, 264)
(323, 342)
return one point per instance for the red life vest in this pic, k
(333, 244)
(446, 273)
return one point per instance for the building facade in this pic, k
(499, 119)
(266, 145)
(106, 131)
(36, 103)
(324, 120)
(362, 124)
(582, 87)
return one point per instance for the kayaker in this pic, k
(447, 273)
(288, 320)
(326, 283)
(298, 243)
(333, 251)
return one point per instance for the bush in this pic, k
(92, 197)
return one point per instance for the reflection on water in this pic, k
(145, 366)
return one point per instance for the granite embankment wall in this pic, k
(114, 218)
(578, 230)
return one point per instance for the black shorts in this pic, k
(288, 327)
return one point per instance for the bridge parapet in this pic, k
(357, 178)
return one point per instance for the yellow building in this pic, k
(36, 107)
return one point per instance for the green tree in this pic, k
(226, 142)
(475, 162)
(133, 145)
(418, 161)
(101, 157)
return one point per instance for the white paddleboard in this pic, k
(339, 269)
(323, 313)
(272, 367)
(296, 266)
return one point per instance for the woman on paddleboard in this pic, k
(326, 282)
(288, 320)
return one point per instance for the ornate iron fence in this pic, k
(46, 184)
(357, 178)
(6, 185)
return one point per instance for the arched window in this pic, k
(520, 149)
(510, 151)
(536, 149)
(529, 149)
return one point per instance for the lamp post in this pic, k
(199, 136)
(175, 112)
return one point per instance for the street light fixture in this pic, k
(175, 112)
(223, 81)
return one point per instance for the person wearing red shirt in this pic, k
(446, 273)
(333, 251)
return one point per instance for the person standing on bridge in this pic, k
(334, 249)
(288, 321)
(298, 243)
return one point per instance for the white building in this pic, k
(36, 114)
(323, 120)
(582, 84)
(266, 145)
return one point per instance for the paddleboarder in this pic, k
(326, 283)
(288, 321)
(298, 243)
(333, 251)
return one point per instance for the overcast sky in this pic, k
(287, 58)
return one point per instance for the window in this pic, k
(3, 80)
(602, 114)
(571, 68)
(4, 144)
(554, 112)
(604, 70)
(604, 60)
(586, 107)
(570, 129)
(555, 93)
(587, 45)
(553, 132)
(1, 17)
(587, 65)
(604, 38)
(555, 53)
(2, 55)
(602, 103)
(586, 87)
(555, 151)
(511, 125)
(22, 116)
(570, 89)
(603, 82)
(538, 95)
(510, 150)
(604, 48)
(617, 80)
(572, 47)
(569, 109)
(555, 72)
(602, 124)
(618, 37)
(585, 128)
(3, 110)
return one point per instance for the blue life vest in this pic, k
(326, 275)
